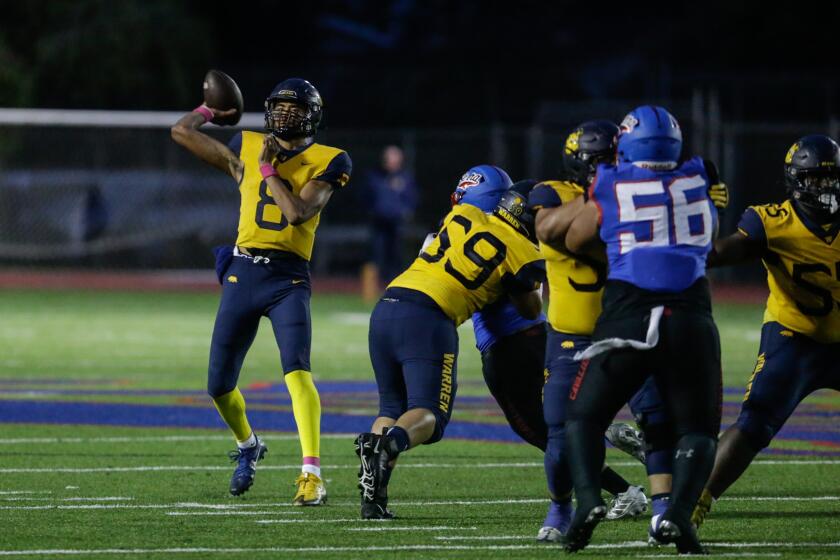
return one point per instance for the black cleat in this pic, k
(580, 531)
(685, 538)
(374, 493)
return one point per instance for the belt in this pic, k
(263, 254)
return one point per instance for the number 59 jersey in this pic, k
(475, 259)
(658, 225)
(803, 269)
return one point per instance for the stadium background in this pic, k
(107, 294)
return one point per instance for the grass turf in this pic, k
(456, 499)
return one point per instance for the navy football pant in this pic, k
(414, 350)
(790, 367)
(279, 290)
(686, 366)
(513, 370)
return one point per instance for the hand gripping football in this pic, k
(222, 93)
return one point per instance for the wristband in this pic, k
(267, 170)
(204, 112)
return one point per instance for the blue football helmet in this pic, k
(482, 186)
(649, 134)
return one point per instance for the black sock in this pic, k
(694, 458)
(585, 445)
(613, 482)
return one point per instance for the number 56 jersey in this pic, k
(475, 259)
(803, 269)
(658, 224)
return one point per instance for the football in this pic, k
(221, 92)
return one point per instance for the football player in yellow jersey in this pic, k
(799, 246)
(476, 258)
(285, 180)
(575, 288)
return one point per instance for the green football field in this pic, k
(111, 449)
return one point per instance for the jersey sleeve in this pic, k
(524, 267)
(752, 225)
(543, 196)
(338, 171)
(235, 144)
(525, 279)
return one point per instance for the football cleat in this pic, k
(702, 509)
(556, 522)
(549, 534)
(626, 438)
(374, 495)
(246, 468)
(311, 490)
(631, 503)
(654, 525)
(580, 532)
(685, 538)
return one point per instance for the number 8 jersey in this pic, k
(261, 223)
(475, 259)
(658, 225)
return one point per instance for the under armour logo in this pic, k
(687, 453)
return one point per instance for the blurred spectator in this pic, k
(391, 194)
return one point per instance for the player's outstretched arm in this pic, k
(552, 224)
(296, 208)
(735, 249)
(185, 132)
(582, 237)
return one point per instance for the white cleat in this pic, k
(625, 437)
(631, 503)
(549, 534)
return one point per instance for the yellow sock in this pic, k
(306, 406)
(231, 407)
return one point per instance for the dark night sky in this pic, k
(413, 62)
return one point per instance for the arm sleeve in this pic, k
(338, 171)
(235, 145)
(752, 226)
(711, 171)
(543, 196)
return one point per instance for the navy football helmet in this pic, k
(514, 210)
(289, 124)
(482, 186)
(650, 135)
(812, 174)
(591, 143)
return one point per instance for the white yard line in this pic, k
(74, 499)
(407, 465)
(363, 549)
(229, 512)
(433, 528)
(159, 439)
(16, 492)
(396, 504)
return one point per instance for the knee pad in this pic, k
(757, 427)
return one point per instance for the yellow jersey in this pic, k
(575, 284)
(261, 223)
(474, 260)
(803, 269)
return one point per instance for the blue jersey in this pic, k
(498, 320)
(658, 225)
